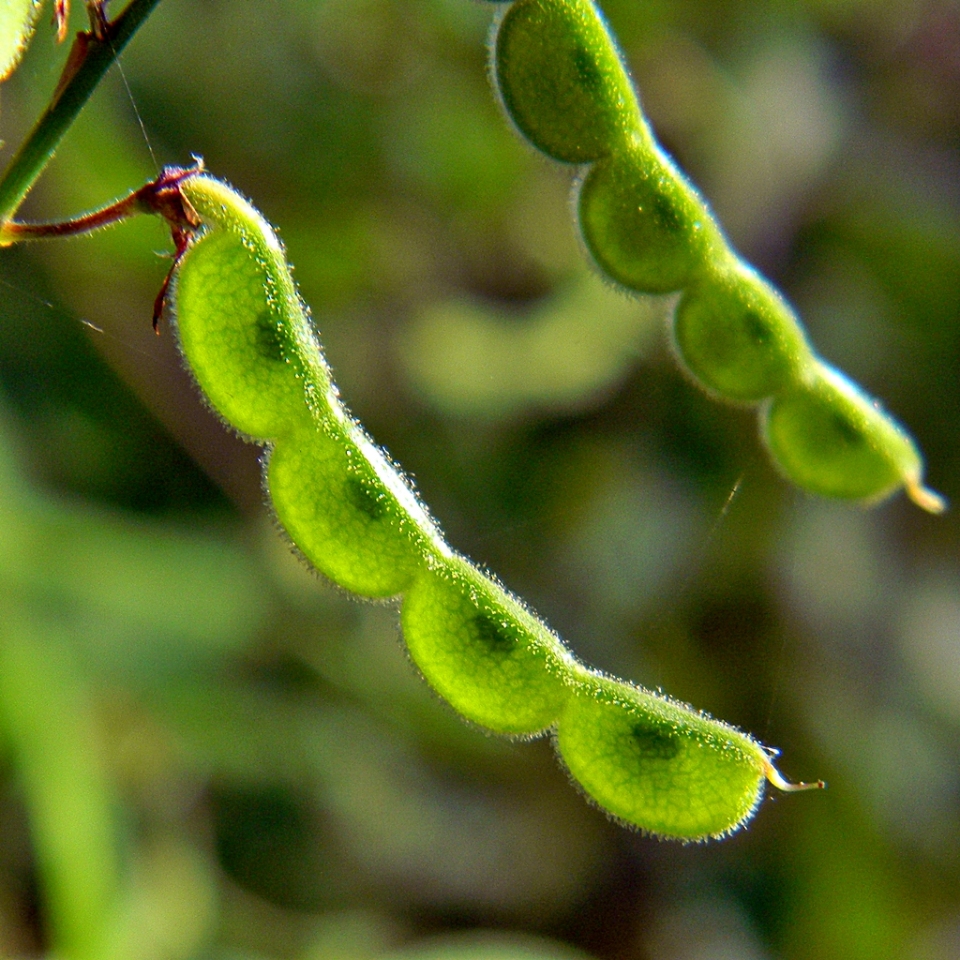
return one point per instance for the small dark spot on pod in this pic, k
(267, 332)
(493, 634)
(587, 71)
(654, 743)
(366, 496)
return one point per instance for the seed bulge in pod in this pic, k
(657, 764)
(483, 651)
(644, 224)
(348, 510)
(562, 81)
(233, 336)
(737, 337)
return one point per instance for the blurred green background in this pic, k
(205, 752)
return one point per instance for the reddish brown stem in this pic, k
(161, 196)
(14, 231)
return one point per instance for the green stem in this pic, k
(94, 61)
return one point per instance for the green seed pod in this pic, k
(647, 760)
(483, 652)
(562, 80)
(831, 439)
(249, 341)
(240, 321)
(735, 335)
(643, 224)
(657, 764)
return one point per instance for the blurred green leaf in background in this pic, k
(207, 753)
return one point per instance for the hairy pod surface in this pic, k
(562, 81)
(249, 341)
(635, 751)
(643, 224)
(563, 84)
(483, 652)
(236, 299)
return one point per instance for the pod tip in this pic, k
(774, 776)
(925, 498)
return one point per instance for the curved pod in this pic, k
(562, 83)
(351, 514)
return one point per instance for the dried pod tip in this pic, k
(774, 777)
(926, 499)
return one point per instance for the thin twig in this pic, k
(89, 60)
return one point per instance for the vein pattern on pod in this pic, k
(562, 82)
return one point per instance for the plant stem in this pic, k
(89, 60)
